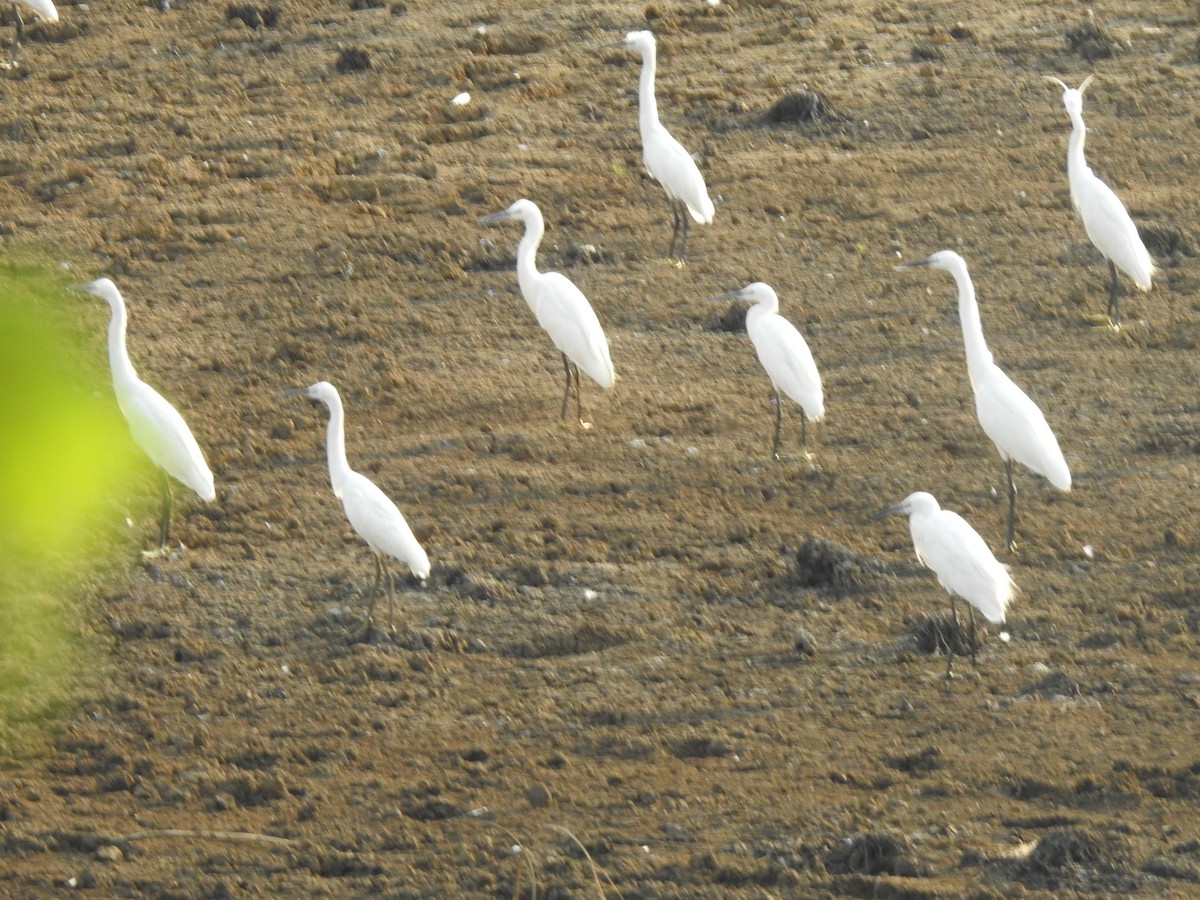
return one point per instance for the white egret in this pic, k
(371, 513)
(44, 9)
(1013, 421)
(1105, 218)
(155, 424)
(560, 308)
(665, 159)
(964, 565)
(785, 356)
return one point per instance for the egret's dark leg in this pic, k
(971, 611)
(1010, 530)
(578, 396)
(18, 37)
(804, 433)
(391, 592)
(369, 617)
(164, 522)
(675, 222)
(562, 414)
(685, 221)
(778, 424)
(1114, 296)
(953, 637)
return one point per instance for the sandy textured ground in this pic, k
(605, 655)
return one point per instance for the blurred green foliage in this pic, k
(65, 454)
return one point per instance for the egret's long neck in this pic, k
(647, 105)
(335, 444)
(527, 272)
(1075, 159)
(760, 310)
(118, 356)
(978, 355)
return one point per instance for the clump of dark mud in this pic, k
(824, 565)
(938, 633)
(875, 853)
(1092, 41)
(799, 107)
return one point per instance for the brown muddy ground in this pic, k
(607, 644)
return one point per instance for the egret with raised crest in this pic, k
(1107, 222)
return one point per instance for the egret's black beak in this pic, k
(928, 260)
(889, 511)
(728, 295)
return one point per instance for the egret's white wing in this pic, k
(159, 429)
(785, 356)
(1111, 229)
(964, 565)
(380, 523)
(44, 8)
(569, 319)
(673, 167)
(1017, 427)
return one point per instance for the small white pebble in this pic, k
(693, 451)
(479, 811)
(1089, 551)
(462, 99)
(1005, 636)
(517, 848)
(589, 594)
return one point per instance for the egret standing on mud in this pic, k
(560, 308)
(1013, 421)
(666, 160)
(1105, 218)
(964, 565)
(785, 356)
(371, 513)
(155, 424)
